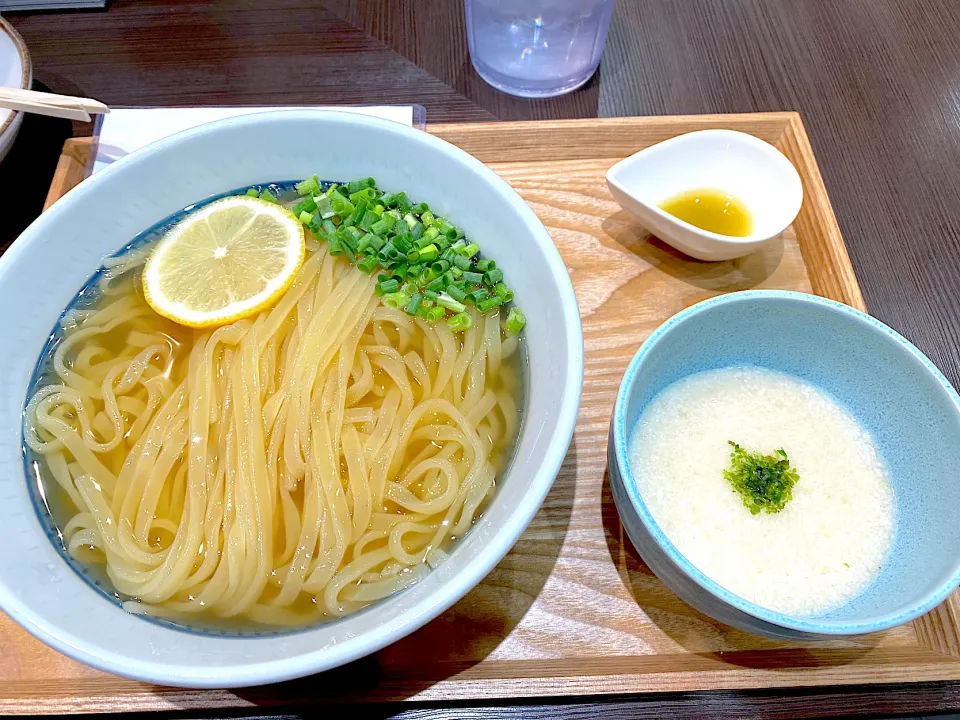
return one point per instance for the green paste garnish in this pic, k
(764, 482)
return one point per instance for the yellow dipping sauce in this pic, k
(711, 210)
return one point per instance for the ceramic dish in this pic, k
(43, 269)
(16, 71)
(888, 385)
(735, 162)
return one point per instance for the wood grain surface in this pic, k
(875, 80)
(572, 610)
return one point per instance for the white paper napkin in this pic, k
(124, 130)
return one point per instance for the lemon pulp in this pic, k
(224, 262)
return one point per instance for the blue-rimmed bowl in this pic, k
(888, 385)
(57, 254)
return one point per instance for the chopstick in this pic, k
(64, 106)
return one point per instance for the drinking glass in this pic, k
(537, 48)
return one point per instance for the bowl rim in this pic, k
(808, 625)
(719, 240)
(452, 589)
(26, 67)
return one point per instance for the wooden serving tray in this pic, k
(572, 610)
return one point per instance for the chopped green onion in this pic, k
(308, 204)
(341, 206)
(325, 207)
(394, 199)
(450, 304)
(363, 244)
(424, 260)
(489, 304)
(358, 185)
(365, 194)
(359, 209)
(310, 186)
(388, 286)
(504, 293)
(346, 238)
(515, 321)
(493, 276)
(380, 227)
(368, 264)
(253, 192)
(429, 253)
(459, 322)
(395, 300)
(403, 243)
(477, 295)
(388, 252)
(369, 219)
(456, 293)
(268, 196)
(414, 303)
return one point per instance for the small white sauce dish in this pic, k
(734, 162)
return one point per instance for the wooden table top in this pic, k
(876, 82)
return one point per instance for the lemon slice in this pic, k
(224, 262)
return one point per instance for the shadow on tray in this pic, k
(701, 635)
(740, 274)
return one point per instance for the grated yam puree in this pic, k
(831, 539)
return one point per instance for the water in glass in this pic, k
(537, 48)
